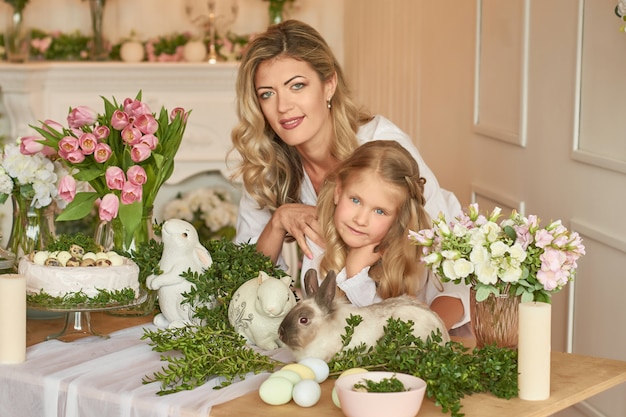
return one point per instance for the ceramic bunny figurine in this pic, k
(258, 307)
(182, 251)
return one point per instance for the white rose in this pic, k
(486, 273)
(463, 267)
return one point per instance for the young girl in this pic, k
(366, 207)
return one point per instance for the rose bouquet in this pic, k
(515, 256)
(125, 154)
(210, 210)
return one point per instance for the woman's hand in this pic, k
(296, 220)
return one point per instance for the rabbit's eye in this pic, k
(185, 234)
(304, 320)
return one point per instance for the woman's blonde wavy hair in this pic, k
(271, 170)
(399, 270)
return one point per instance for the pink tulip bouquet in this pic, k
(125, 154)
(515, 256)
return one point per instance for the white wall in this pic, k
(560, 172)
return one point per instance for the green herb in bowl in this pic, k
(392, 384)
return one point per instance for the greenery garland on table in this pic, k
(195, 354)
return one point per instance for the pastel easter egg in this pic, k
(276, 391)
(293, 376)
(132, 52)
(307, 393)
(304, 371)
(319, 367)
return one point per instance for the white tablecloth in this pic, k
(101, 378)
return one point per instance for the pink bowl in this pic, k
(376, 404)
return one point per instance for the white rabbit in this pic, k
(314, 327)
(258, 307)
(182, 251)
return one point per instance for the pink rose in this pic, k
(140, 152)
(101, 132)
(102, 153)
(119, 120)
(87, 143)
(131, 135)
(81, 116)
(147, 124)
(150, 141)
(137, 175)
(109, 207)
(131, 193)
(115, 178)
(67, 188)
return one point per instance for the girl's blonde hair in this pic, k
(399, 270)
(271, 170)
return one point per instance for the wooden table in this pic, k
(574, 378)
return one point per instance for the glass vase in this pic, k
(98, 46)
(17, 38)
(111, 235)
(276, 10)
(495, 320)
(32, 227)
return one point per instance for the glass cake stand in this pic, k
(78, 317)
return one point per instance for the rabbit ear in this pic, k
(326, 294)
(310, 282)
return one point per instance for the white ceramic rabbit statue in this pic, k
(182, 251)
(258, 307)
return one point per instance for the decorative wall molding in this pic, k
(598, 129)
(503, 201)
(501, 73)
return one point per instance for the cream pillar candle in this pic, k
(12, 318)
(534, 351)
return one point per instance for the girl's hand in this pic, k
(359, 258)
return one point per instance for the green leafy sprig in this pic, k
(392, 384)
(450, 370)
(198, 353)
(73, 300)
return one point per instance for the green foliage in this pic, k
(450, 371)
(392, 384)
(199, 353)
(65, 241)
(73, 300)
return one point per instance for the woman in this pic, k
(297, 121)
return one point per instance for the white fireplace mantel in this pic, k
(35, 92)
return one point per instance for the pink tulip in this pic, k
(102, 153)
(136, 108)
(131, 193)
(147, 124)
(50, 126)
(137, 175)
(88, 142)
(150, 141)
(115, 177)
(67, 188)
(30, 145)
(81, 116)
(178, 111)
(75, 157)
(101, 132)
(131, 135)
(119, 120)
(68, 144)
(140, 152)
(109, 207)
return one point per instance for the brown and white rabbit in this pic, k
(313, 328)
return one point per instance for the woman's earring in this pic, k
(328, 104)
